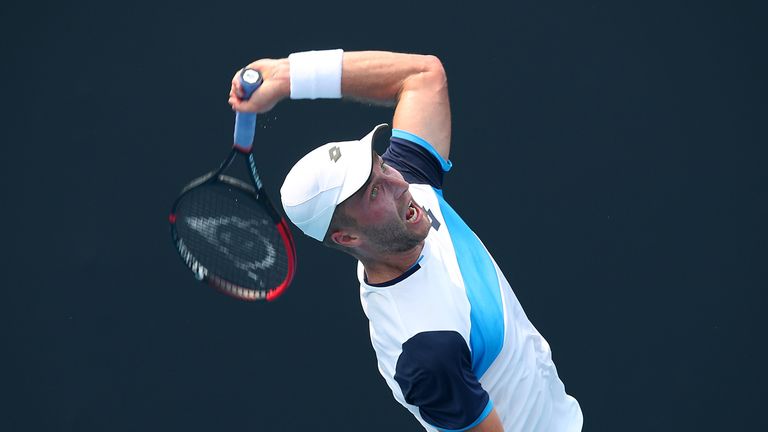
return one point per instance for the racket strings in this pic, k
(232, 236)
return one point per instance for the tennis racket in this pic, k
(227, 231)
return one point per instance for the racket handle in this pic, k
(245, 123)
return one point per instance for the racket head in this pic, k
(226, 234)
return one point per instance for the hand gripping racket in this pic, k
(227, 231)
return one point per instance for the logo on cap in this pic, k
(334, 153)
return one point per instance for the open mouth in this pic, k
(413, 213)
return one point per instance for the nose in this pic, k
(398, 184)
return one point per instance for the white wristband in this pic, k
(316, 74)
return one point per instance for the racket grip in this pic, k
(245, 123)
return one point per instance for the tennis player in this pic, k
(451, 339)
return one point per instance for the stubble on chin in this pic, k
(393, 238)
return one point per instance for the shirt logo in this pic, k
(432, 219)
(334, 153)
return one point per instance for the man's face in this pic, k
(388, 220)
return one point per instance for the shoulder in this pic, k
(416, 159)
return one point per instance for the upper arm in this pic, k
(423, 106)
(434, 372)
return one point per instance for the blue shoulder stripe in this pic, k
(399, 133)
(481, 282)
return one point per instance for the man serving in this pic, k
(451, 339)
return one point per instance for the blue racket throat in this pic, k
(245, 123)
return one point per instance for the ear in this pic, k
(345, 238)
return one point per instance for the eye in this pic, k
(383, 166)
(374, 192)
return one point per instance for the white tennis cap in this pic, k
(323, 178)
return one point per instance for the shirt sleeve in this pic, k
(416, 159)
(434, 372)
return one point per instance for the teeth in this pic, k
(411, 212)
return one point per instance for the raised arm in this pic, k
(415, 84)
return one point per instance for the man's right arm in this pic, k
(415, 84)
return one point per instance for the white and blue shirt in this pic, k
(451, 339)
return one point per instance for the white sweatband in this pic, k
(316, 74)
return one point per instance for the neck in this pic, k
(385, 267)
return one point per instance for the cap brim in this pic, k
(362, 161)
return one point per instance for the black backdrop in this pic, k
(611, 155)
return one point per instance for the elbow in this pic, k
(434, 71)
(433, 64)
(428, 74)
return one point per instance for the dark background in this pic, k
(611, 155)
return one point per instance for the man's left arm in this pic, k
(434, 373)
(492, 423)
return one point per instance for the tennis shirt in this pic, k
(451, 339)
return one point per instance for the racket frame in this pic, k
(254, 189)
(244, 128)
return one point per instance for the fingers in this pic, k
(267, 96)
(235, 92)
(236, 89)
(239, 104)
(236, 96)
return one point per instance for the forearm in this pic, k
(378, 76)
